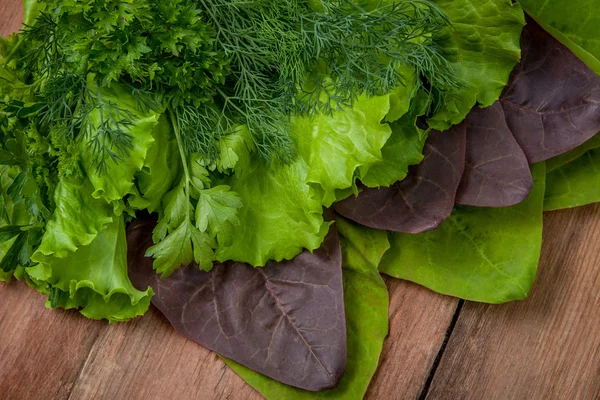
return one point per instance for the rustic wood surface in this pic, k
(545, 347)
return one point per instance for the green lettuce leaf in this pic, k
(117, 180)
(282, 211)
(82, 258)
(403, 148)
(483, 46)
(77, 219)
(93, 278)
(574, 184)
(337, 146)
(160, 171)
(482, 254)
(401, 97)
(366, 303)
(574, 23)
(31, 10)
(280, 215)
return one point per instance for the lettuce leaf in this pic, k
(116, 181)
(572, 155)
(160, 170)
(283, 204)
(483, 46)
(335, 147)
(31, 10)
(77, 219)
(93, 278)
(405, 145)
(82, 258)
(402, 96)
(366, 303)
(481, 254)
(281, 215)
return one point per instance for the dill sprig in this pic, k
(289, 57)
(66, 106)
(219, 64)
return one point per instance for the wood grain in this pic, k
(545, 347)
(419, 319)
(11, 16)
(147, 359)
(41, 350)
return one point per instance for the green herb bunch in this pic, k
(303, 57)
(213, 71)
(218, 64)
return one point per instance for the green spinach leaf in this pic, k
(482, 254)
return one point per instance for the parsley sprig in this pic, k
(219, 64)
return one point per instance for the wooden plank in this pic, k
(545, 347)
(148, 359)
(419, 319)
(11, 16)
(41, 350)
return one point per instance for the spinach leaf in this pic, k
(285, 320)
(496, 170)
(552, 103)
(481, 254)
(424, 199)
(574, 23)
(574, 184)
(366, 302)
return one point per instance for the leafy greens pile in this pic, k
(140, 137)
(196, 111)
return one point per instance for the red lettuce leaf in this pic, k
(424, 199)
(496, 173)
(552, 101)
(285, 320)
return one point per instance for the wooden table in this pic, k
(545, 347)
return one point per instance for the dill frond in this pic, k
(109, 138)
(290, 58)
(219, 64)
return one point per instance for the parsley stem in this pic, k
(182, 154)
(16, 48)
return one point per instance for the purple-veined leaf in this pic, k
(285, 320)
(552, 101)
(496, 173)
(424, 199)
